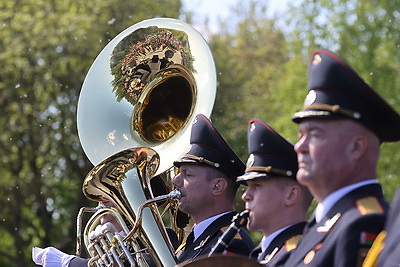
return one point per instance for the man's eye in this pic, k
(315, 134)
(255, 186)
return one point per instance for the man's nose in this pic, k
(301, 145)
(246, 196)
(176, 180)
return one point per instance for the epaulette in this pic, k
(237, 236)
(369, 205)
(292, 242)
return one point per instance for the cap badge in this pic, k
(310, 98)
(317, 59)
(252, 127)
(250, 161)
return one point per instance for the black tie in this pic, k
(189, 239)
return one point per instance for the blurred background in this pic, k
(260, 47)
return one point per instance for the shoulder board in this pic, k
(292, 242)
(369, 205)
(237, 236)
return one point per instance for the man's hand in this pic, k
(101, 229)
(51, 257)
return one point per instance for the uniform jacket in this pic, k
(390, 255)
(280, 246)
(242, 245)
(344, 235)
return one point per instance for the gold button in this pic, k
(309, 257)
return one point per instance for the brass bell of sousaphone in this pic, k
(145, 89)
(135, 112)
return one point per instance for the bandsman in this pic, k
(277, 203)
(341, 127)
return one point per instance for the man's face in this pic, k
(264, 200)
(194, 186)
(323, 153)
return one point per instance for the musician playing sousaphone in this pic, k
(207, 185)
(135, 112)
(276, 202)
(341, 127)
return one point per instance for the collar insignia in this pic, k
(328, 224)
(202, 243)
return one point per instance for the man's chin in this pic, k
(181, 207)
(250, 226)
(303, 177)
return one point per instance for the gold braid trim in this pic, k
(202, 160)
(269, 169)
(371, 260)
(335, 109)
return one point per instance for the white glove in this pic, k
(101, 230)
(51, 257)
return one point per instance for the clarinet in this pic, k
(238, 221)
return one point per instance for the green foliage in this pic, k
(249, 60)
(46, 48)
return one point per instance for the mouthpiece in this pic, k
(176, 194)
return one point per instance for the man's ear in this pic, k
(219, 185)
(358, 146)
(292, 195)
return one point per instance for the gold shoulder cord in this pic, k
(371, 260)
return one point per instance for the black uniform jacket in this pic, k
(345, 234)
(284, 242)
(241, 245)
(390, 255)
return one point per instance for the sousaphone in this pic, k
(135, 112)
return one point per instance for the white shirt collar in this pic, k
(202, 226)
(266, 240)
(322, 208)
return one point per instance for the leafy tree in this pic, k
(249, 57)
(46, 50)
